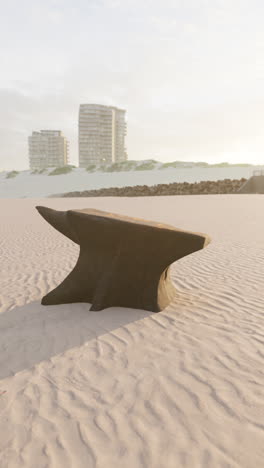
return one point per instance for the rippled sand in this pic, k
(125, 388)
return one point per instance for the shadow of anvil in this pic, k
(123, 261)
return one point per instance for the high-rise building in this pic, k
(102, 131)
(47, 148)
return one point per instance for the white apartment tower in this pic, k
(47, 148)
(102, 131)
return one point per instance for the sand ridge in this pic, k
(27, 185)
(182, 388)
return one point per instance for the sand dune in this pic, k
(27, 185)
(127, 388)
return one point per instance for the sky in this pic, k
(190, 74)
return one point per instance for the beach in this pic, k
(128, 388)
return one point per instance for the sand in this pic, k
(123, 387)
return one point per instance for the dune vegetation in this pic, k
(61, 170)
(11, 174)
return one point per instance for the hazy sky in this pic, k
(189, 72)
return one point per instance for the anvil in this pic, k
(123, 261)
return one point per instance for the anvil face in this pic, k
(122, 260)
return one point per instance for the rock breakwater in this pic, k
(177, 188)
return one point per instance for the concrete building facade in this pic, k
(47, 148)
(102, 131)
